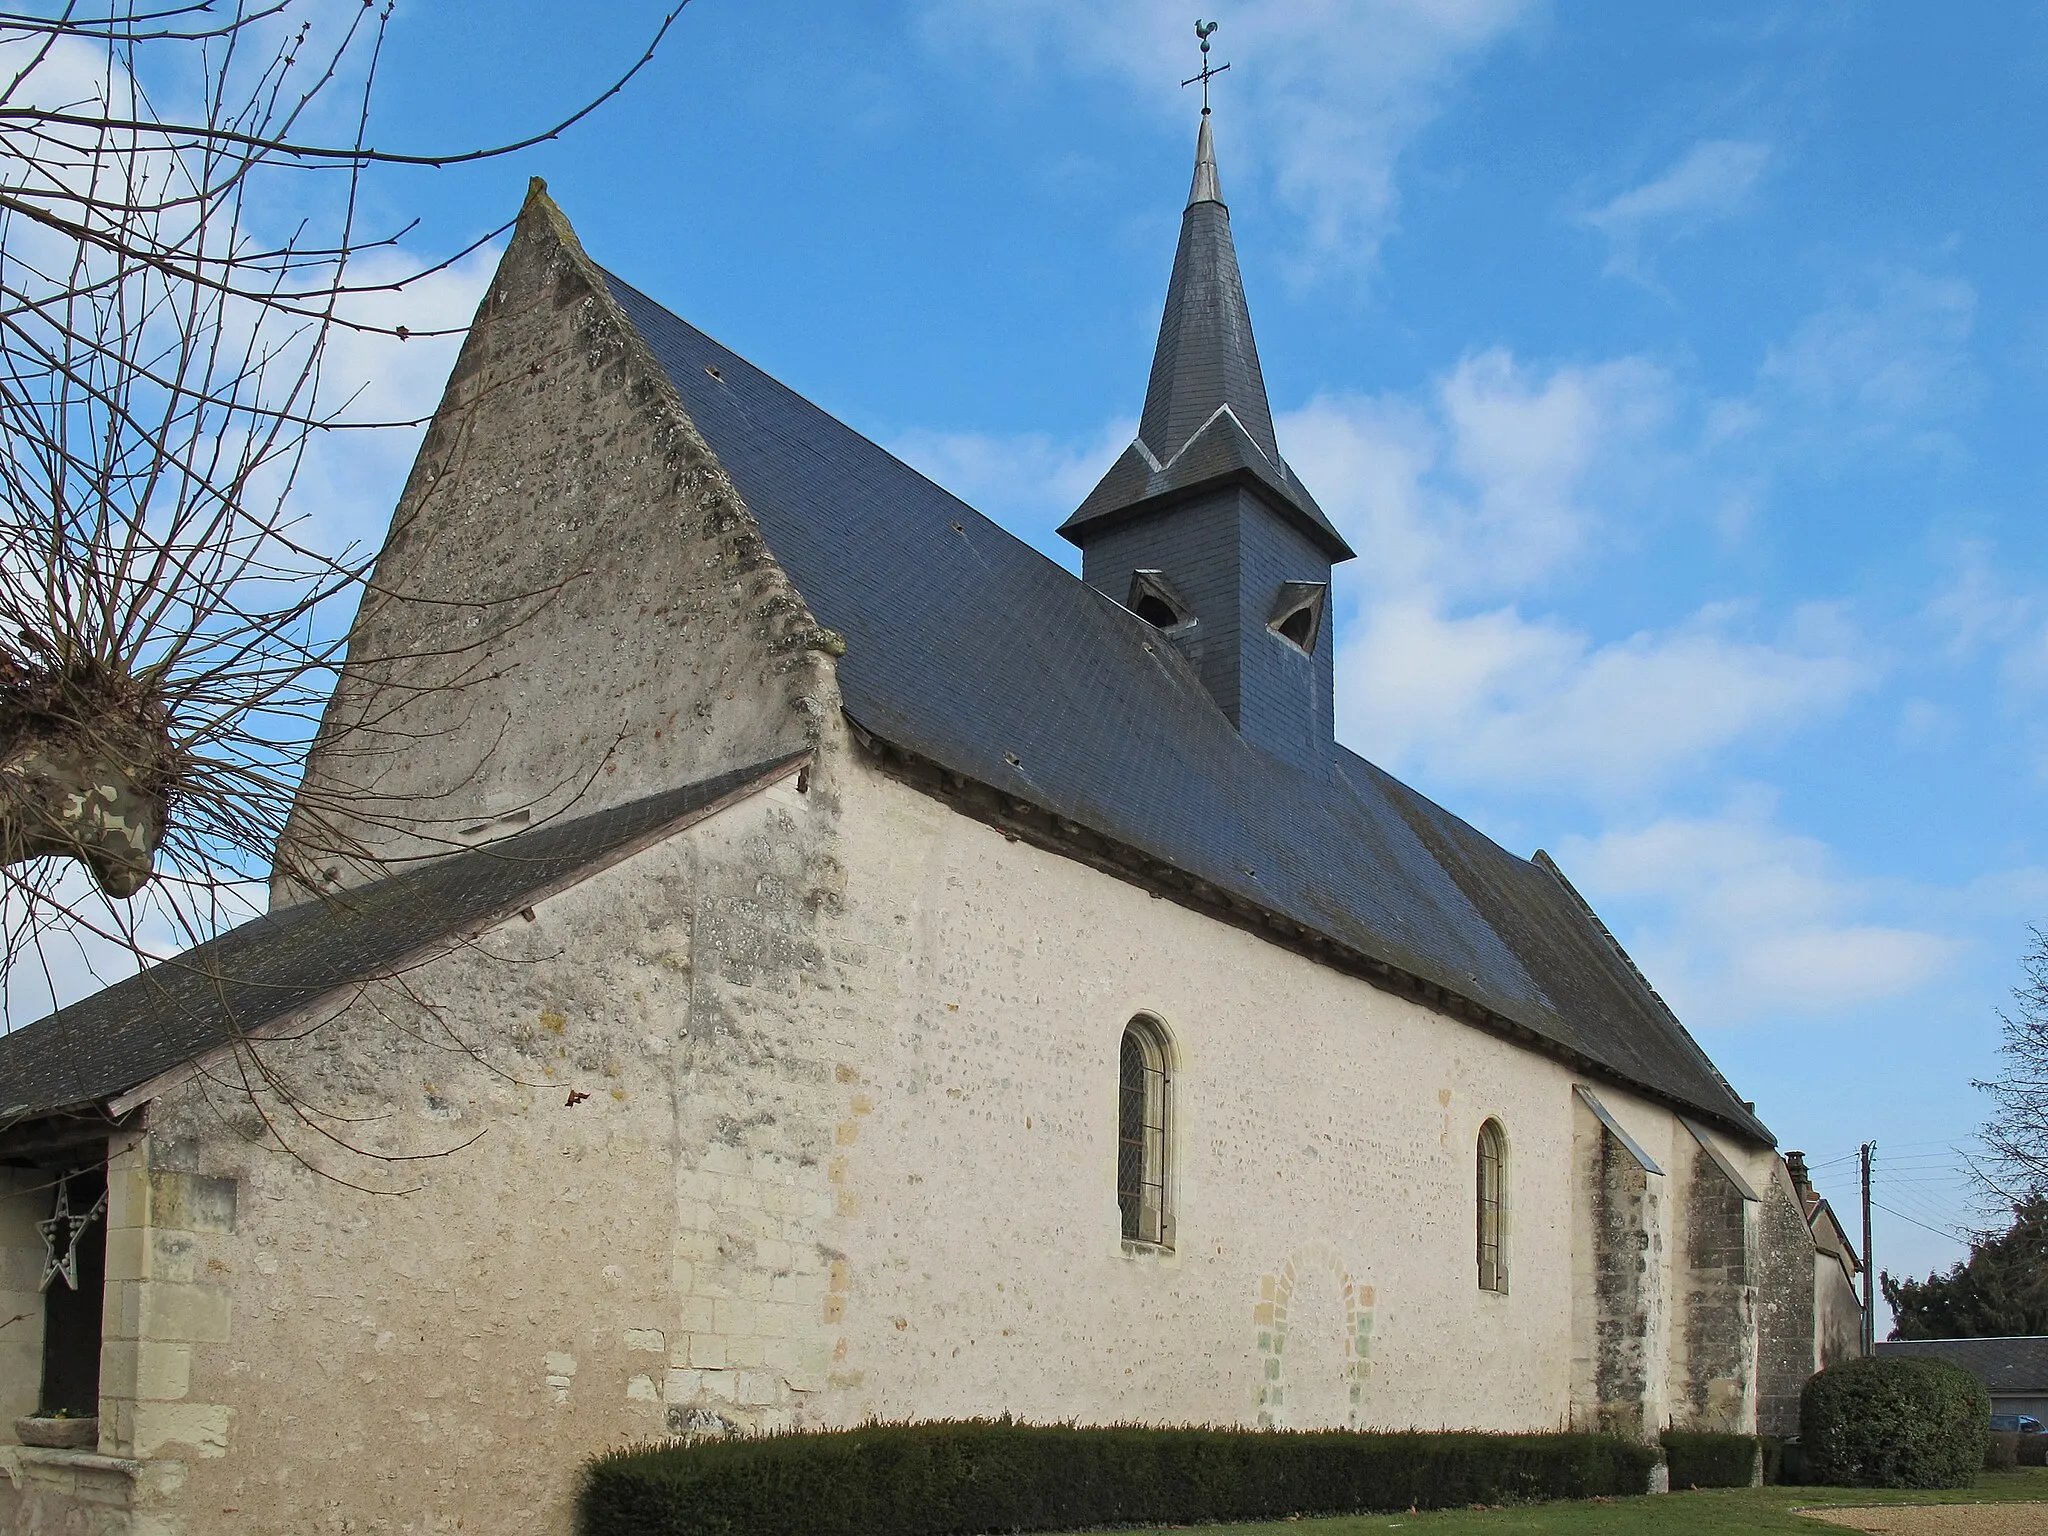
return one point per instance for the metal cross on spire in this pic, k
(1204, 30)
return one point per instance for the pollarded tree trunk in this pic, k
(86, 767)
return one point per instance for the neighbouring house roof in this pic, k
(1837, 1239)
(969, 649)
(272, 970)
(2003, 1365)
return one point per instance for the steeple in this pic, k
(1206, 358)
(1206, 188)
(1206, 414)
(1200, 526)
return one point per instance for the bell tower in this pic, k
(1200, 527)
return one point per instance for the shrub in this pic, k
(2002, 1450)
(2033, 1450)
(1782, 1458)
(1790, 1467)
(935, 1479)
(1894, 1421)
(1710, 1461)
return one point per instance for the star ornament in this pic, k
(61, 1232)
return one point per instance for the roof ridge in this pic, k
(1544, 862)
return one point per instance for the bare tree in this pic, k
(2016, 1136)
(180, 227)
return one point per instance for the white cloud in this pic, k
(1503, 478)
(1325, 94)
(1888, 362)
(1491, 483)
(1714, 180)
(1495, 699)
(1739, 919)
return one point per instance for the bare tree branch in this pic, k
(180, 226)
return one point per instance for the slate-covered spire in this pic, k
(1206, 358)
(1200, 528)
(1206, 415)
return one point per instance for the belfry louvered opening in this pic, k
(1154, 600)
(1297, 615)
(1143, 1108)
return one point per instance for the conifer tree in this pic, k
(2000, 1291)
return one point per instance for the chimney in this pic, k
(1802, 1182)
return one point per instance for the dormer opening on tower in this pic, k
(1297, 615)
(1154, 600)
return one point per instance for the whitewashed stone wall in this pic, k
(24, 1200)
(848, 1150)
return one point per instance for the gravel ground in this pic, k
(1940, 1519)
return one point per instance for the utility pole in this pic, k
(1869, 1316)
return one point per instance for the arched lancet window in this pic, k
(1144, 1101)
(1493, 1168)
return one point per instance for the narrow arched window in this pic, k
(1493, 1169)
(1144, 1089)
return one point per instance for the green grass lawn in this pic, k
(1715, 1512)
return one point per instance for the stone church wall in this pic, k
(1324, 1135)
(573, 608)
(849, 1150)
(809, 1113)
(1838, 1312)
(1785, 1306)
(597, 1209)
(1714, 1334)
(1622, 1275)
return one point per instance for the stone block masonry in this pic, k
(1621, 1306)
(1714, 1342)
(24, 1200)
(1786, 1354)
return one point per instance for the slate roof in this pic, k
(1207, 419)
(2003, 1365)
(970, 649)
(285, 961)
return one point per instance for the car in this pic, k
(2025, 1424)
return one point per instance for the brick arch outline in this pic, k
(1269, 1316)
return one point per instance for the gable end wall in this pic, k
(573, 607)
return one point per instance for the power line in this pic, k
(1956, 1237)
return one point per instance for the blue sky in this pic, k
(1679, 381)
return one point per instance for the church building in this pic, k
(761, 947)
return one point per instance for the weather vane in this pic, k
(1204, 30)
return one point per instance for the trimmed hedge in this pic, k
(1783, 1460)
(1894, 1421)
(2033, 1450)
(1710, 1461)
(949, 1478)
(2002, 1450)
